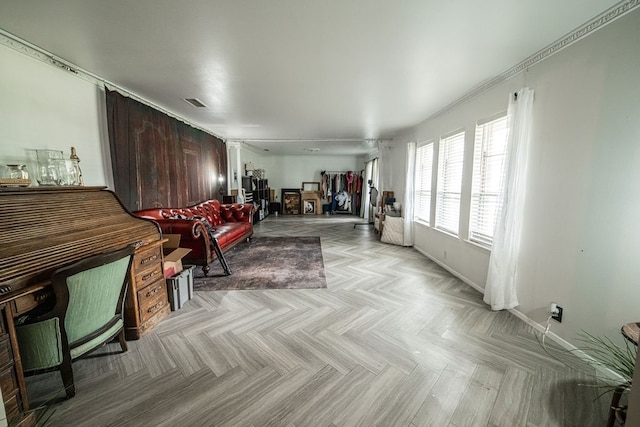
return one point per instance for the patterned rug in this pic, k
(268, 263)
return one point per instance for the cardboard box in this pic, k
(173, 255)
(180, 288)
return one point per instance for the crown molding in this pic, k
(22, 46)
(32, 51)
(584, 30)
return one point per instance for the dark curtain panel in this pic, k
(159, 161)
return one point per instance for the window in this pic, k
(487, 182)
(450, 161)
(424, 169)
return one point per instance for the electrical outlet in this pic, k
(556, 312)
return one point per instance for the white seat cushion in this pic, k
(393, 230)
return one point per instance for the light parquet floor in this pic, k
(395, 340)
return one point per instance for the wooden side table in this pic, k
(378, 222)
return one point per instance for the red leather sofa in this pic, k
(230, 225)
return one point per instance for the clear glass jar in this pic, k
(18, 172)
(67, 171)
(48, 170)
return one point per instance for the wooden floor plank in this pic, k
(394, 340)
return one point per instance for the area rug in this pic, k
(268, 263)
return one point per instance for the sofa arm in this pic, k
(188, 229)
(237, 212)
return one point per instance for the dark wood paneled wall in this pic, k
(159, 161)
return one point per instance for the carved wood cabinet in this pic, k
(147, 301)
(11, 379)
(45, 228)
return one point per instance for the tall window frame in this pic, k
(449, 185)
(487, 183)
(423, 183)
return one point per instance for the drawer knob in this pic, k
(154, 307)
(153, 291)
(150, 275)
(149, 259)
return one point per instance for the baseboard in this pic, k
(452, 271)
(537, 326)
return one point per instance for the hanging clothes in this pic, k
(334, 191)
(349, 181)
(324, 187)
(358, 194)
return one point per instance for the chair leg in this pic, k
(615, 402)
(205, 269)
(66, 372)
(123, 341)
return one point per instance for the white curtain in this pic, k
(409, 194)
(379, 176)
(502, 277)
(370, 170)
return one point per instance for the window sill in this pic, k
(484, 248)
(422, 223)
(447, 233)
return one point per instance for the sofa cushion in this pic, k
(230, 232)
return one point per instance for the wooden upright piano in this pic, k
(45, 228)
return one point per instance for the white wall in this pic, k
(45, 107)
(581, 236)
(292, 171)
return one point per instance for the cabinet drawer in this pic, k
(6, 354)
(146, 258)
(8, 383)
(12, 406)
(24, 303)
(148, 276)
(3, 321)
(151, 291)
(152, 299)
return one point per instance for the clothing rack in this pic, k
(353, 197)
(339, 172)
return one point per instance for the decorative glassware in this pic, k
(18, 172)
(74, 156)
(67, 171)
(48, 173)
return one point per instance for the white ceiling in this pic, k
(292, 74)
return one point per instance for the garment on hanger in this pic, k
(324, 187)
(348, 177)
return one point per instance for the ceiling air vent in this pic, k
(195, 102)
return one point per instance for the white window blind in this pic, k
(450, 162)
(487, 182)
(423, 181)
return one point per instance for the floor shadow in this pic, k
(580, 402)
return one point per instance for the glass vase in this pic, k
(48, 172)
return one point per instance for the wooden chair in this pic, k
(87, 314)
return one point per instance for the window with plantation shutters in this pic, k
(450, 162)
(487, 183)
(423, 181)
